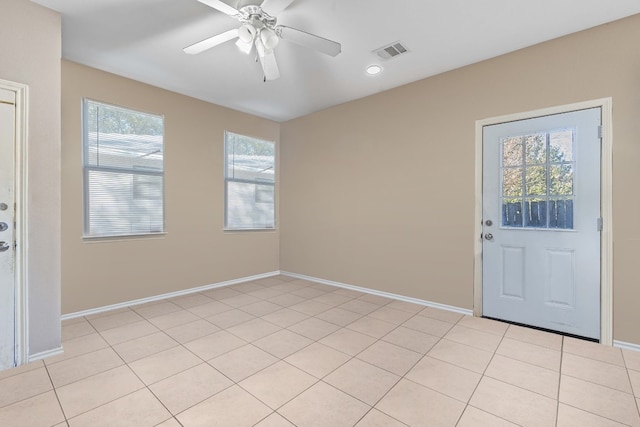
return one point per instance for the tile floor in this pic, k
(281, 352)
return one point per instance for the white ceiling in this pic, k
(143, 40)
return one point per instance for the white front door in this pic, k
(541, 222)
(7, 229)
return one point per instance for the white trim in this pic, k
(606, 241)
(165, 296)
(606, 236)
(45, 354)
(380, 293)
(477, 230)
(626, 345)
(21, 236)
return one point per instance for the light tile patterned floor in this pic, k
(283, 352)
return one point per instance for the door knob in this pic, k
(488, 236)
(4, 246)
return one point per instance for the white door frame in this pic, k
(606, 241)
(20, 185)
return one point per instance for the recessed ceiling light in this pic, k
(372, 70)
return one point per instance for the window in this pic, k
(249, 183)
(537, 180)
(123, 162)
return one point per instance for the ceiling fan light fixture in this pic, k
(373, 70)
(269, 38)
(245, 48)
(247, 32)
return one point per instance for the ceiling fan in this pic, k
(259, 31)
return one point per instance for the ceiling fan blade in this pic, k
(210, 42)
(305, 39)
(274, 7)
(268, 62)
(221, 6)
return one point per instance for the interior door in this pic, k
(541, 222)
(7, 229)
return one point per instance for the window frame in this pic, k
(87, 168)
(228, 179)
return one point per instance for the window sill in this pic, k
(250, 230)
(124, 237)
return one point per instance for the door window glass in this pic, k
(537, 188)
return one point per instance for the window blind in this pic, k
(123, 171)
(249, 183)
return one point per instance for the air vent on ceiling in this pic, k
(391, 51)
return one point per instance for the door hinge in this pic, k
(600, 224)
(600, 131)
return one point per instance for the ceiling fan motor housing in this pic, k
(255, 16)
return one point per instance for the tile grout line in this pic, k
(55, 391)
(559, 380)
(595, 359)
(482, 375)
(55, 388)
(633, 392)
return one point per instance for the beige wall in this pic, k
(30, 54)
(377, 193)
(195, 251)
(380, 192)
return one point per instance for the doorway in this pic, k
(7, 229)
(13, 339)
(542, 222)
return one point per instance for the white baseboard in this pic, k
(626, 345)
(165, 296)
(381, 293)
(44, 354)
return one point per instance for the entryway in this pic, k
(541, 220)
(13, 100)
(7, 238)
